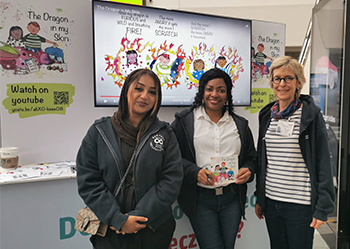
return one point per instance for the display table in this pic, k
(38, 172)
(40, 212)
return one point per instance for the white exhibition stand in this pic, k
(40, 213)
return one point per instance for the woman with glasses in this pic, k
(294, 179)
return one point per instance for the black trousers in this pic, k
(288, 225)
(144, 239)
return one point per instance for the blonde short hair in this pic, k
(294, 65)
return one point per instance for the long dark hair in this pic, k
(13, 28)
(134, 77)
(214, 73)
(123, 109)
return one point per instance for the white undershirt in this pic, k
(214, 139)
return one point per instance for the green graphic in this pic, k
(32, 99)
(260, 98)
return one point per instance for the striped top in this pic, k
(33, 41)
(287, 177)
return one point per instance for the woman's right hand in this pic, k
(133, 224)
(205, 177)
(258, 211)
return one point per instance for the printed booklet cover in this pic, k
(224, 169)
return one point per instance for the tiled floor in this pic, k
(319, 243)
(327, 240)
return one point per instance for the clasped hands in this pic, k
(132, 225)
(206, 177)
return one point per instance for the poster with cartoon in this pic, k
(267, 44)
(178, 46)
(33, 47)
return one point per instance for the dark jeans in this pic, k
(288, 225)
(144, 239)
(217, 220)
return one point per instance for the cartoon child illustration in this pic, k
(15, 37)
(131, 62)
(198, 67)
(231, 174)
(260, 56)
(32, 40)
(131, 58)
(221, 62)
(223, 166)
(217, 168)
(253, 54)
(162, 68)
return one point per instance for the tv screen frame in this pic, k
(183, 75)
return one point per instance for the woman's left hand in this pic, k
(243, 175)
(316, 223)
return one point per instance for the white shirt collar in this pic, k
(201, 113)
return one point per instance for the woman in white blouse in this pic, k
(209, 133)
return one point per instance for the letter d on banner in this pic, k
(63, 233)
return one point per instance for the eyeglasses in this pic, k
(287, 79)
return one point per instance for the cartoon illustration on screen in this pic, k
(23, 54)
(129, 57)
(260, 68)
(168, 64)
(198, 69)
(162, 68)
(200, 59)
(221, 63)
(204, 57)
(131, 62)
(230, 61)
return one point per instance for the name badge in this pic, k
(285, 128)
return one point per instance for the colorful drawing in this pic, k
(168, 64)
(33, 41)
(24, 55)
(165, 61)
(259, 67)
(200, 59)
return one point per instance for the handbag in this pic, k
(88, 222)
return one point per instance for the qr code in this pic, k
(61, 98)
(271, 97)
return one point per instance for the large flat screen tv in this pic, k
(178, 46)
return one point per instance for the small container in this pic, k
(9, 157)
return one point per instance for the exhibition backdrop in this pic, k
(47, 105)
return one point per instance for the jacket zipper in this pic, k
(133, 166)
(110, 149)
